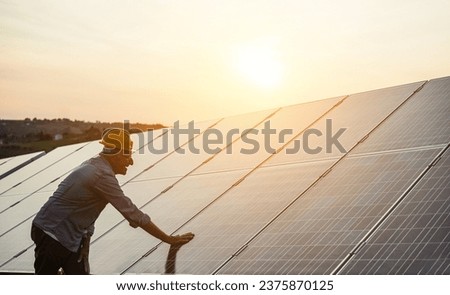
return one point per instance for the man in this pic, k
(62, 228)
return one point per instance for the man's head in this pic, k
(117, 149)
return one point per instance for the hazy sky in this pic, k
(162, 61)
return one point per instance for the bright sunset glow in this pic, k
(260, 65)
(163, 61)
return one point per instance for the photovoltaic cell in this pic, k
(415, 238)
(169, 211)
(350, 122)
(235, 218)
(314, 234)
(424, 120)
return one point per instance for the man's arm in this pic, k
(110, 189)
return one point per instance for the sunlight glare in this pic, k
(259, 64)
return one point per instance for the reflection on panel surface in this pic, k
(341, 129)
(235, 218)
(423, 120)
(415, 239)
(324, 225)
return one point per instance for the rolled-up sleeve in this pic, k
(108, 187)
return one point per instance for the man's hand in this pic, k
(84, 253)
(177, 240)
(180, 240)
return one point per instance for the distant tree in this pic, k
(44, 136)
(92, 133)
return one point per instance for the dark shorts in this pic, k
(51, 256)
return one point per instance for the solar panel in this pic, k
(415, 238)
(15, 242)
(36, 166)
(235, 218)
(17, 162)
(288, 118)
(423, 120)
(293, 119)
(23, 263)
(4, 160)
(22, 211)
(350, 122)
(314, 234)
(169, 211)
(202, 147)
(51, 171)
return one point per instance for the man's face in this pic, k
(120, 162)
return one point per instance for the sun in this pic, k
(259, 64)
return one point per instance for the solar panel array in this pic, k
(356, 184)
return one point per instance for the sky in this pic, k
(156, 61)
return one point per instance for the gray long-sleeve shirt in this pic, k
(79, 200)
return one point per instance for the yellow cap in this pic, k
(116, 140)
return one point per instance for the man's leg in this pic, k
(73, 267)
(48, 253)
(50, 256)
